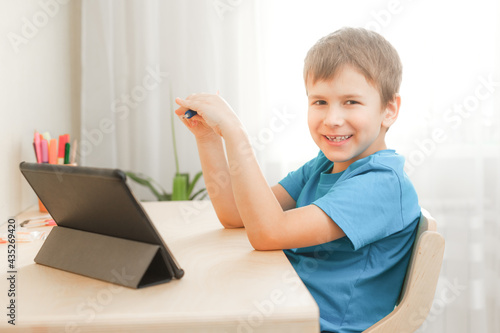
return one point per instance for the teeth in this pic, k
(338, 138)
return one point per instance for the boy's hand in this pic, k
(196, 125)
(214, 114)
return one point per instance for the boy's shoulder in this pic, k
(386, 159)
(380, 167)
(383, 159)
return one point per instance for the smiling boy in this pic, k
(347, 218)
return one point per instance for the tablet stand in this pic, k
(125, 262)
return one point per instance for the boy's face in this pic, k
(346, 118)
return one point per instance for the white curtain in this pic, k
(138, 55)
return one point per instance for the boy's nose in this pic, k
(334, 117)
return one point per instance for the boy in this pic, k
(346, 219)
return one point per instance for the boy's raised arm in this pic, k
(261, 209)
(215, 170)
(218, 181)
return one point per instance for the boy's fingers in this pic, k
(194, 102)
(184, 106)
(184, 102)
(180, 111)
(187, 104)
(181, 102)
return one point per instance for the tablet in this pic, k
(95, 200)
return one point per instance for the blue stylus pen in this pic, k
(189, 114)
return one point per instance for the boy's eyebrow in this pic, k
(315, 97)
(345, 96)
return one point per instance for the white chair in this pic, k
(420, 283)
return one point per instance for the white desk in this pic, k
(228, 286)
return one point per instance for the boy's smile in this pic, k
(346, 118)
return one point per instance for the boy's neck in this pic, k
(342, 166)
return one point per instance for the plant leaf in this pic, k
(165, 197)
(145, 182)
(198, 193)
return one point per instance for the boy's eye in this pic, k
(320, 102)
(351, 102)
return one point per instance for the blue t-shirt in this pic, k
(356, 280)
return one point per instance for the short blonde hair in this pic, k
(363, 49)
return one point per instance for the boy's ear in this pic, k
(391, 111)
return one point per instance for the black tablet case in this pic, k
(102, 231)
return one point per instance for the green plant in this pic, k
(182, 187)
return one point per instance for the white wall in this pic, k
(39, 86)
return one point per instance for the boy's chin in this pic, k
(336, 157)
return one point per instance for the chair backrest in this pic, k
(420, 282)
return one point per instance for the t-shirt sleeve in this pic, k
(295, 181)
(367, 206)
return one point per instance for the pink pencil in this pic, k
(45, 151)
(38, 149)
